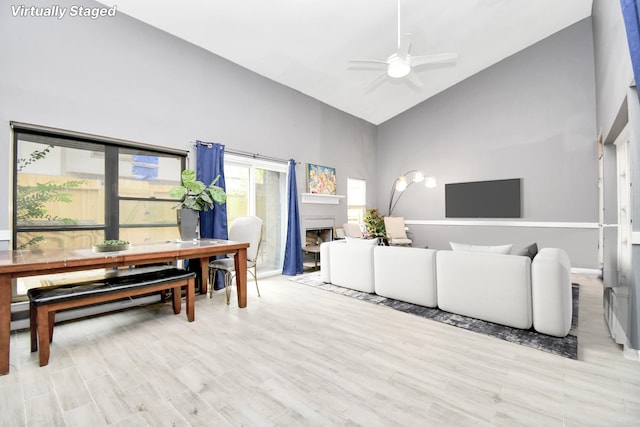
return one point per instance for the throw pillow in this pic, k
(531, 251)
(361, 241)
(463, 247)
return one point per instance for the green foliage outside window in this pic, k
(31, 201)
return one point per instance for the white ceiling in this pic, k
(306, 44)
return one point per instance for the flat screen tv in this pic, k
(483, 199)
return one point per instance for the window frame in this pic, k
(112, 148)
(350, 206)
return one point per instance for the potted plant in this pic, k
(374, 224)
(111, 246)
(196, 197)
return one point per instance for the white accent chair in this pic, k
(243, 229)
(352, 230)
(396, 231)
(353, 234)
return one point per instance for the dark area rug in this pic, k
(565, 347)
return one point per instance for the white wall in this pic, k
(121, 78)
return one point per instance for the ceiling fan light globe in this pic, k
(398, 69)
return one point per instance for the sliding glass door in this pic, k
(256, 187)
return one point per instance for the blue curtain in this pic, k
(632, 24)
(213, 223)
(210, 164)
(293, 248)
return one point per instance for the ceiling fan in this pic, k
(401, 64)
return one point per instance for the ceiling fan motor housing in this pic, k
(398, 67)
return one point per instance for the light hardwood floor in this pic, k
(303, 356)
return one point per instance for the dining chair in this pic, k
(243, 229)
(396, 231)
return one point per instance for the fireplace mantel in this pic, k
(328, 199)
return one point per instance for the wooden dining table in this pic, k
(22, 263)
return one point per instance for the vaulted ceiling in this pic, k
(307, 44)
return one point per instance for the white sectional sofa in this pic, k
(511, 290)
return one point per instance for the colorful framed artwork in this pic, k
(321, 179)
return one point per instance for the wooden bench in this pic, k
(45, 302)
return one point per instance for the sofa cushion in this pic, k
(463, 247)
(352, 266)
(491, 287)
(551, 292)
(530, 251)
(406, 274)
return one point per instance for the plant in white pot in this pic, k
(196, 197)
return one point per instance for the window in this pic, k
(72, 191)
(258, 187)
(356, 199)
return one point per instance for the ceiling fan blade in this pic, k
(368, 64)
(376, 82)
(437, 58)
(404, 45)
(413, 78)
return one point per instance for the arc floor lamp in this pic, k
(403, 182)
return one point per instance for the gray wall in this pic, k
(531, 116)
(120, 78)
